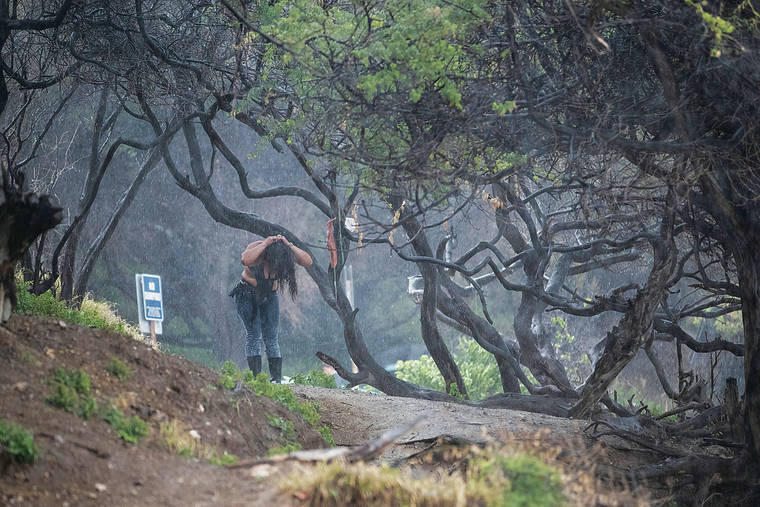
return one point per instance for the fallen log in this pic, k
(348, 454)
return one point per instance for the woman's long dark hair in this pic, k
(282, 265)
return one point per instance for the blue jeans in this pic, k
(261, 317)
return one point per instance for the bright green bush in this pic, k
(518, 480)
(71, 392)
(316, 378)
(17, 442)
(477, 366)
(131, 429)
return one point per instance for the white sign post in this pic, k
(150, 305)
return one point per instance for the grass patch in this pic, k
(91, 313)
(71, 392)
(316, 378)
(336, 484)
(130, 429)
(17, 443)
(260, 384)
(492, 479)
(287, 435)
(515, 480)
(181, 441)
(118, 369)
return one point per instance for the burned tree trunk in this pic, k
(22, 219)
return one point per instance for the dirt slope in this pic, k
(86, 463)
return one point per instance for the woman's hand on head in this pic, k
(282, 238)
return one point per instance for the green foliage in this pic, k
(492, 479)
(17, 442)
(287, 435)
(316, 378)
(91, 313)
(130, 429)
(223, 459)
(284, 449)
(229, 375)
(287, 428)
(118, 369)
(71, 392)
(327, 435)
(261, 385)
(410, 53)
(283, 394)
(422, 372)
(515, 480)
(477, 366)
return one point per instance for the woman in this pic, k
(268, 264)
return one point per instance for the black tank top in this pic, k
(265, 284)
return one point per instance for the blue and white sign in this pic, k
(150, 306)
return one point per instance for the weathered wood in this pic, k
(22, 219)
(350, 454)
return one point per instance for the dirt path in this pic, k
(356, 417)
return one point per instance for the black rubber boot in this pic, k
(254, 363)
(275, 369)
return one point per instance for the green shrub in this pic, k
(327, 435)
(91, 313)
(229, 375)
(118, 369)
(287, 428)
(492, 479)
(316, 378)
(287, 435)
(17, 442)
(477, 366)
(515, 480)
(282, 393)
(261, 385)
(71, 392)
(131, 429)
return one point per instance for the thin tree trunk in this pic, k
(83, 277)
(635, 326)
(430, 334)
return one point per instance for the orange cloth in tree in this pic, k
(331, 246)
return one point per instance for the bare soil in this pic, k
(86, 463)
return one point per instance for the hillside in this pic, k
(85, 462)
